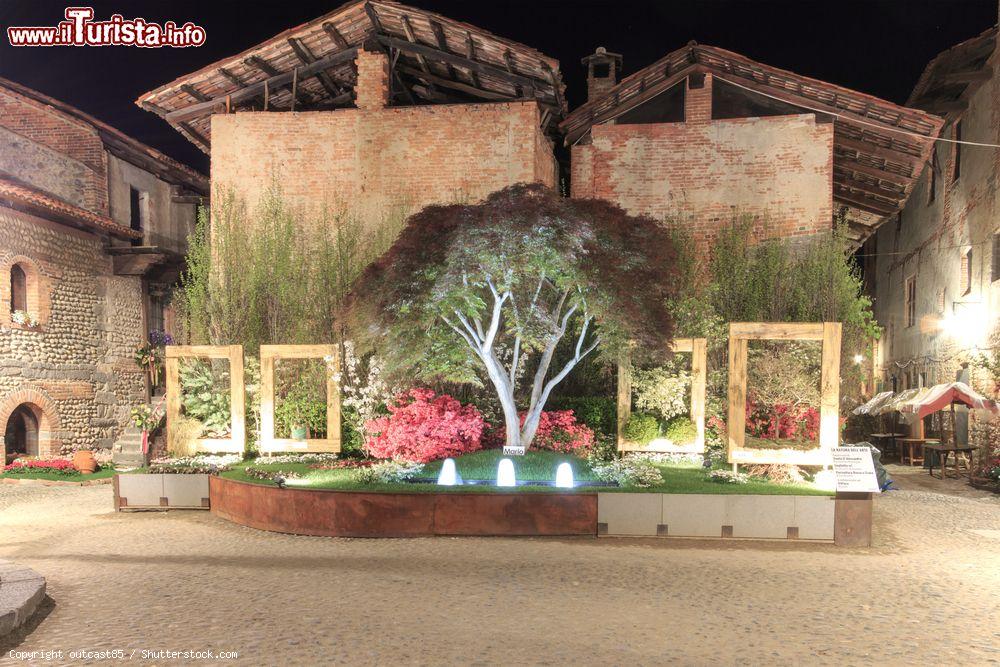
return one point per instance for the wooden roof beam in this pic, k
(863, 203)
(454, 85)
(977, 75)
(306, 57)
(895, 195)
(195, 93)
(335, 36)
(875, 150)
(256, 89)
(848, 164)
(942, 107)
(442, 43)
(460, 61)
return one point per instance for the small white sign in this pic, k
(513, 451)
(854, 469)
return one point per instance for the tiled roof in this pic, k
(14, 194)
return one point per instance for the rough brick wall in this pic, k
(53, 152)
(374, 161)
(77, 367)
(779, 170)
(373, 80)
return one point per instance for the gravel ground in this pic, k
(925, 594)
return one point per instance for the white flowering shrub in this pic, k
(388, 472)
(728, 477)
(23, 318)
(631, 471)
(364, 390)
(662, 391)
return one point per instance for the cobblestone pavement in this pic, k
(925, 594)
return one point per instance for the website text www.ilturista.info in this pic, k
(80, 29)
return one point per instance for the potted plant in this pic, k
(150, 355)
(147, 420)
(24, 319)
(84, 461)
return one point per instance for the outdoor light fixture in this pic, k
(449, 474)
(967, 323)
(564, 476)
(505, 473)
(280, 481)
(858, 358)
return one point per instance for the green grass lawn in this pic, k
(536, 465)
(103, 473)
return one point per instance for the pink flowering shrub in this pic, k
(782, 421)
(558, 431)
(62, 466)
(423, 427)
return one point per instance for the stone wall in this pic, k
(77, 367)
(778, 170)
(53, 151)
(957, 307)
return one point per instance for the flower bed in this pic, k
(56, 470)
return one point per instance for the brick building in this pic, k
(92, 227)
(704, 134)
(374, 107)
(934, 270)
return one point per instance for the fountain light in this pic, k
(564, 475)
(449, 474)
(505, 473)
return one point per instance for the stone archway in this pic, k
(31, 419)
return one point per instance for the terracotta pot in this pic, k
(84, 461)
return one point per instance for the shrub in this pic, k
(387, 472)
(662, 391)
(605, 449)
(782, 421)
(423, 427)
(629, 471)
(775, 472)
(599, 413)
(728, 477)
(559, 431)
(642, 427)
(680, 430)
(58, 466)
(202, 464)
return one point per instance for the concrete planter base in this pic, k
(21, 591)
(147, 491)
(717, 516)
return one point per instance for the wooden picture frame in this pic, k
(236, 442)
(698, 348)
(269, 355)
(740, 334)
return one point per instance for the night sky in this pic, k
(876, 46)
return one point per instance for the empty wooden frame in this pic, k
(740, 333)
(698, 347)
(236, 442)
(269, 354)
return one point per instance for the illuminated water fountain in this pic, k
(564, 476)
(449, 474)
(505, 473)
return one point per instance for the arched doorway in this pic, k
(21, 432)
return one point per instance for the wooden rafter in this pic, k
(849, 164)
(874, 150)
(306, 57)
(338, 40)
(255, 89)
(862, 202)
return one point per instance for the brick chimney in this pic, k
(372, 90)
(698, 98)
(602, 72)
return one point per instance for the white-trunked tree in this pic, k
(489, 292)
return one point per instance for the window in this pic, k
(996, 257)
(957, 166)
(932, 177)
(965, 273)
(138, 211)
(910, 301)
(18, 289)
(155, 314)
(940, 301)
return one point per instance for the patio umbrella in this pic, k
(874, 403)
(894, 402)
(931, 399)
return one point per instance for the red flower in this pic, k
(423, 427)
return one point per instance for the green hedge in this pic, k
(598, 412)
